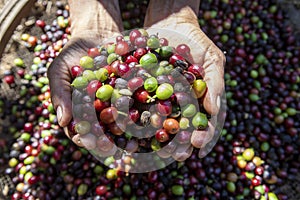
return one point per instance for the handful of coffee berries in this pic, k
(136, 98)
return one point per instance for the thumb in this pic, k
(214, 78)
(63, 112)
(212, 98)
(60, 87)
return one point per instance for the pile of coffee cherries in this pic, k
(138, 94)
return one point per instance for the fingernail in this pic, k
(59, 113)
(218, 102)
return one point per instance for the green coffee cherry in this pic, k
(153, 42)
(111, 48)
(150, 84)
(164, 91)
(166, 51)
(148, 61)
(199, 87)
(184, 123)
(111, 58)
(101, 74)
(104, 93)
(189, 110)
(177, 190)
(89, 75)
(19, 62)
(80, 82)
(86, 62)
(200, 121)
(82, 127)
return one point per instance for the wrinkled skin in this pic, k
(180, 16)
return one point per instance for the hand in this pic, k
(181, 17)
(60, 77)
(91, 21)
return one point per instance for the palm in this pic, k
(59, 74)
(206, 54)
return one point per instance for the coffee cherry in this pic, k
(139, 52)
(40, 23)
(148, 61)
(104, 93)
(92, 87)
(199, 87)
(108, 115)
(166, 51)
(197, 70)
(123, 103)
(200, 121)
(79, 82)
(189, 110)
(184, 123)
(248, 154)
(141, 95)
(101, 190)
(150, 84)
(164, 108)
(9, 79)
(111, 58)
(131, 59)
(122, 48)
(183, 49)
(171, 125)
(134, 115)
(89, 75)
(161, 135)
(100, 105)
(153, 42)
(163, 42)
(93, 52)
(101, 74)
(141, 42)
(117, 128)
(123, 70)
(174, 58)
(164, 91)
(133, 35)
(177, 190)
(135, 83)
(82, 127)
(76, 70)
(86, 62)
(190, 77)
(156, 120)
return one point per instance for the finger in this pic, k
(182, 152)
(59, 81)
(201, 137)
(60, 77)
(215, 88)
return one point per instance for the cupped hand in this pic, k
(60, 77)
(184, 22)
(205, 53)
(91, 22)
